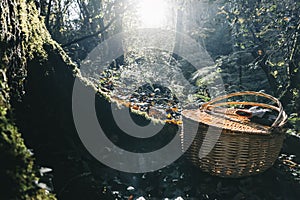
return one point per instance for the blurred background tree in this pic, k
(269, 30)
(257, 36)
(81, 24)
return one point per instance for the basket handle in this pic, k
(280, 120)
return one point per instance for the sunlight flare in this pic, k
(152, 13)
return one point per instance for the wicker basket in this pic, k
(228, 144)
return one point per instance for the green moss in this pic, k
(22, 36)
(17, 173)
(34, 33)
(147, 117)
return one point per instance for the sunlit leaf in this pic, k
(280, 64)
(275, 74)
(241, 20)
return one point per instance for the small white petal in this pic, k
(130, 188)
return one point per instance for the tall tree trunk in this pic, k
(36, 87)
(17, 172)
(294, 75)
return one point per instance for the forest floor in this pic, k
(183, 180)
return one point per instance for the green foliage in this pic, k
(294, 120)
(269, 30)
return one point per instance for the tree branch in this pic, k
(91, 35)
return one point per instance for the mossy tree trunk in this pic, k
(17, 172)
(35, 97)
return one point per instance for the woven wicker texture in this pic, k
(243, 148)
(234, 123)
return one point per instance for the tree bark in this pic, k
(47, 19)
(36, 88)
(17, 171)
(294, 74)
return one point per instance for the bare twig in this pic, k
(91, 35)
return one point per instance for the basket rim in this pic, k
(281, 118)
(260, 130)
(211, 114)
